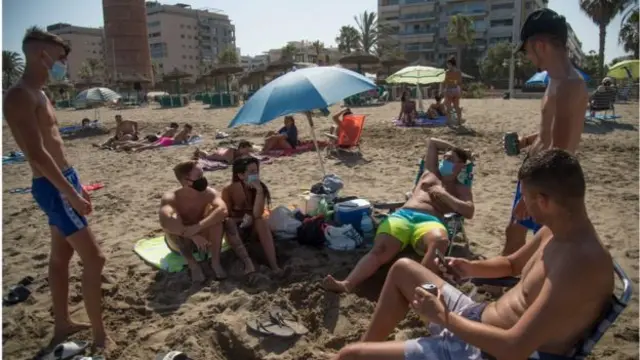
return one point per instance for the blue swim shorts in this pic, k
(55, 206)
(528, 222)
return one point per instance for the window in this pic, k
(154, 35)
(153, 23)
(182, 36)
(506, 6)
(505, 22)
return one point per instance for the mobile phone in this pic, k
(451, 271)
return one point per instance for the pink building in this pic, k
(126, 39)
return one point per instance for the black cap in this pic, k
(543, 22)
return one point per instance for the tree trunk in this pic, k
(603, 35)
(459, 57)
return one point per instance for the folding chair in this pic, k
(348, 134)
(603, 101)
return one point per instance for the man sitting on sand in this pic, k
(419, 223)
(126, 130)
(183, 137)
(226, 155)
(194, 217)
(566, 283)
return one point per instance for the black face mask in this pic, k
(200, 184)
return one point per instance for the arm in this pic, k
(135, 127)
(219, 212)
(23, 125)
(569, 116)
(169, 219)
(258, 204)
(463, 204)
(337, 120)
(526, 141)
(434, 146)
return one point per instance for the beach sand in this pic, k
(148, 311)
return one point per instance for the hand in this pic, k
(191, 230)
(256, 185)
(460, 268)
(520, 210)
(200, 241)
(437, 193)
(430, 308)
(86, 196)
(81, 205)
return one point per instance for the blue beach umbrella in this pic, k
(300, 91)
(542, 78)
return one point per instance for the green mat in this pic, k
(155, 252)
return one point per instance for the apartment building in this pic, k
(187, 39)
(421, 25)
(574, 45)
(249, 63)
(305, 52)
(86, 43)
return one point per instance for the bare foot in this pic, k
(219, 272)
(103, 345)
(62, 332)
(197, 276)
(248, 266)
(331, 284)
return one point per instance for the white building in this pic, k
(86, 43)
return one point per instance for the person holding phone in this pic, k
(248, 199)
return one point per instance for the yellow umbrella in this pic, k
(625, 70)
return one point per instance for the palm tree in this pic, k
(368, 26)
(460, 33)
(228, 56)
(601, 13)
(12, 68)
(628, 36)
(318, 46)
(348, 39)
(288, 52)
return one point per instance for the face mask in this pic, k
(446, 168)
(200, 184)
(252, 177)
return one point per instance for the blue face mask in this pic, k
(58, 71)
(252, 177)
(446, 168)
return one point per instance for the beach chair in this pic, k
(348, 135)
(609, 315)
(603, 101)
(453, 221)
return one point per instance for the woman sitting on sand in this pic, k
(226, 155)
(409, 112)
(436, 109)
(247, 200)
(286, 138)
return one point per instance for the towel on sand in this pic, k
(303, 146)
(213, 165)
(156, 253)
(423, 122)
(14, 157)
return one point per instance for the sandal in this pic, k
(268, 327)
(67, 350)
(287, 319)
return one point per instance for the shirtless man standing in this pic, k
(56, 186)
(543, 39)
(419, 223)
(126, 130)
(194, 218)
(566, 283)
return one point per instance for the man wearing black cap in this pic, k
(543, 39)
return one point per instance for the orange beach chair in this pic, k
(348, 134)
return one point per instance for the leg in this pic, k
(233, 238)
(266, 240)
(84, 243)
(61, 253)
(385, 248)
(456, 105)
(427, 244)
(186, 248)
(405, 275)
(390, 350)
(214, 238)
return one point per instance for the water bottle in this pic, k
(366, 226)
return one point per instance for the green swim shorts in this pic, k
(410, 226)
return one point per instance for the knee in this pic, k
(95, 263)
(440, 242)
(401, 267)
(60, 261)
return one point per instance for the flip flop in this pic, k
(17, 294)
(268, 327)
(173, 355)
(92, 187)
(285, 318)
(23, 190)
(67, 350)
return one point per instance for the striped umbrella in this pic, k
(97, 95)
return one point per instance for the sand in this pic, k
(147, 311)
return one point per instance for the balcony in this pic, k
(417, 17)
(430, 32)
(418, 48)
(419, 2)
(389, 5)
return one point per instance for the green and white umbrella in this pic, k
(417, 75)
(97, 95)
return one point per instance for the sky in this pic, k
(265, 24)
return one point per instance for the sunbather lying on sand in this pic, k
(227, 155)
(247, 199)
(183, 137)
(194, 217)
(126, 130)
(419, 223)
(127, 145)
(286, 138)
(566, 283)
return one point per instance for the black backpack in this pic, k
(311, 232)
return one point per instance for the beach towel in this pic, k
(194, 140)
(156, 253)
(423, 122)
(14, 157)
(212, 165)
(302, 147)
(601, 116)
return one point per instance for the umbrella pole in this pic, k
(315, 143)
